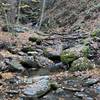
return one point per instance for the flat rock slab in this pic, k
(38, 88)
(90, 82)
(15, 66)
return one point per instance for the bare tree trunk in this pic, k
(42, 14)
(18, 12)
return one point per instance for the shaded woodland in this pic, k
(49, 49)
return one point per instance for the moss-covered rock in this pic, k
(69, 55)
(96, 33)
(86, 51)
(86, 41)
(33, 39)
(27, 49)
(38, 36)
(81, 64)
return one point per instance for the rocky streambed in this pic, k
(57, 67)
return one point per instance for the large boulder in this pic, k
(15, 65)
(71, 54)
(44, 62)
(54, 52)
(48, 64)
(29, 62)
(39, 88)
(81, 64)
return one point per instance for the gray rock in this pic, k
(58, 66)
(90, 82)
(1, 97)
(89, 98)
(37, 78)
(33, 53)
(54, 51)
(20, 29)
(49, 64)
(27, 98)
(29, 62)
(4, 45)
(38, 88)
(21, 53)
(31, 80)
(1, 57)
(44, 62)
(28, 80)
(15, 65)
(98, 89)
(72, 89)
(50, 97)
(80, 94)
(59, 90)
(43, 71)
(3, 67)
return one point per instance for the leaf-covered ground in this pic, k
(31, 67)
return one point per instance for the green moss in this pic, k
(93, 34)
(86, 51)
(68, 56)
(27, 49)
(32, 39)
(96, 33)
(81, 64)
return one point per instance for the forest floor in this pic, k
(31, 67)
(14, 84)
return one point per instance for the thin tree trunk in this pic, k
(18, 16)
(42, 14)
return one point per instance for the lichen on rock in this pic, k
(81, 64)
(71, 54)
(96, 33)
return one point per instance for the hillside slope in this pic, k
(66, 14)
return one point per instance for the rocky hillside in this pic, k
(83, 14)
(63, 15)
(61, 61)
